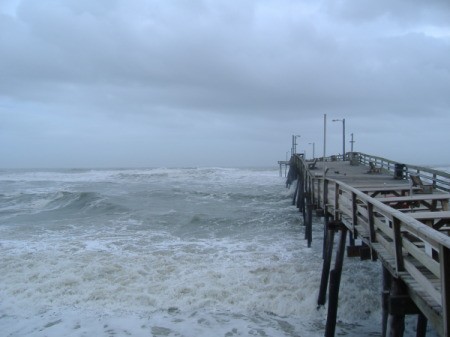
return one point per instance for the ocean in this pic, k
(167, 252)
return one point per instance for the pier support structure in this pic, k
(385, 234)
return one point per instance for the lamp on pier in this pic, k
(314, 149)
(343, 135)
(294, 143)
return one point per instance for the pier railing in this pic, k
(438, 179)
(409, 249)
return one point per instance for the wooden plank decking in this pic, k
(405, 230)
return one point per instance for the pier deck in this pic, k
(356, 175)
(404, 226)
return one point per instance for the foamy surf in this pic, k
(166, 252)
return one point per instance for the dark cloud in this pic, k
(154, 76)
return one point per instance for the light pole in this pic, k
(314, 149)
(343, 135)
(294, 143)
(352, 142)
(351, 150)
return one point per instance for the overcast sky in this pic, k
(120, 83)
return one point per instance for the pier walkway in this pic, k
(399, 214)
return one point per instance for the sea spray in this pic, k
(167, 252)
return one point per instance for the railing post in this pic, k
(318, 192)
(336, 200)
(371, 222)
(354, 219)
(399, 263)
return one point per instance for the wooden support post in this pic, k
(295, 193)
(372, 232)
(398, 245)
(326, 221)
(421, 325)
(318, 193)
(326, 263)
(365, 252)
(308, 229)
(335, 280)
(326, 217)
(371, 222)
(397, 321)
(304, 197)
(387, 279)
(354, 219)
(336, 200)
(310, 189)
(351, 239)
(444, 262)
(301, 192)
(307, 201)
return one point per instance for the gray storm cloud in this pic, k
(151, 83)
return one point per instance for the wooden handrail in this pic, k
(411, 223)
(439, 179)
(391, 229)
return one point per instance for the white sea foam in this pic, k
(186, 277)
(233, 264)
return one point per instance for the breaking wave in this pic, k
(58, 204)
(165, 252)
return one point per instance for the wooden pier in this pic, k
(400, 215)
(284, 163)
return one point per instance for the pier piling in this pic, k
(335, 281)
(330, 229)
(408, 233)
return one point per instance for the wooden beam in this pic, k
(444, 259)
(422, 322)
(402, 305)
(336, 200)
(398, 245)
(396, 237)
(397, 320)
(326, 265)
(371, 223)
(335, 281)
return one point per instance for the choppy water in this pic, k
(166, 252)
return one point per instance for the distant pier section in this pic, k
(283, 165)
(382, 210)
